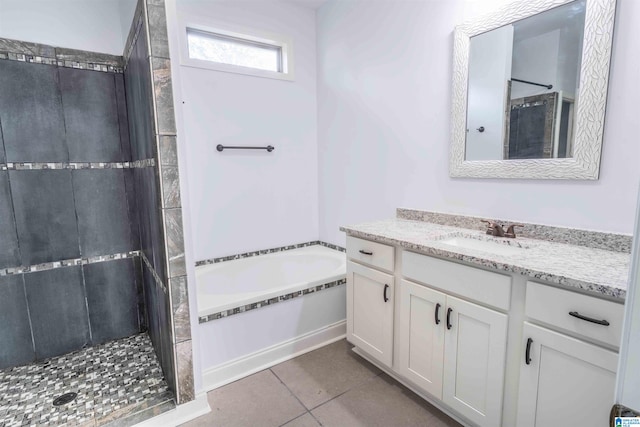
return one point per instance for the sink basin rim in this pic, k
(498, 246)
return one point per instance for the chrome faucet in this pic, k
(495, 229)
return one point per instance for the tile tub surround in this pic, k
(269, 251)
(271, 301)
(119, 380)
(153, 135)
(597, 271)
(571, 236)
(278, 298)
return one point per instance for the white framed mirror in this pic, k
(530, 89)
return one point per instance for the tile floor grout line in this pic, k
(386, 388)
(317, 420)
(294, 395)
(346, 391)
(299, 416)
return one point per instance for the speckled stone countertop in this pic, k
(598, 271)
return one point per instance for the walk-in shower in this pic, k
(91, 245)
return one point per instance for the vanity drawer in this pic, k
(552, 306)
(371, 253)
(472, 283)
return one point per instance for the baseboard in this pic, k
(181, 414)
(239, 368)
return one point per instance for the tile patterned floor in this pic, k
(330, 386)
(121, 377)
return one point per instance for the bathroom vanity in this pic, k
(493, 331)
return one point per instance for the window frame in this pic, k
(250, 36)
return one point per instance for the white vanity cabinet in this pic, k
(566, 380)
(454, 350)
(421, 332)
(489, 348)
(370, 298)
(451, 347)
(474, 364)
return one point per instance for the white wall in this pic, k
(189, 234)
(570, 53)
(384, 79)
(549, 58)
(628, 387)
(243, 201)
(126, 10)
(536, 59)
(93, 25)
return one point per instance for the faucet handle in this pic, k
(511, 231)
(493, 228)
(490, 225)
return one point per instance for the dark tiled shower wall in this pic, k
(153, 133)
(139, 90)
(56, 114)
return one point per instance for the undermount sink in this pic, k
(498, 247)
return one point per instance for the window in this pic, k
(234, 51)
(231, 51)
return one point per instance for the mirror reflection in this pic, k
(523, 86)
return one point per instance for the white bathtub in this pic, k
(240, 344)
(231, 284)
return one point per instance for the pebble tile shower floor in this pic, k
(114, 380)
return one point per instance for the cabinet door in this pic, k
(421, 336)
(474, 361)
(370, 311)
(567, 381)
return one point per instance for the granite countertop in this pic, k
(598, 271)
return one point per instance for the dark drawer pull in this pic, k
(384, 293)
(363, 252)
(588, 319)
(449, 310)
(437, 316)
(527, 354)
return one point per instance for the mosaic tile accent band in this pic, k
(157, 278)
(146, 163)
(14, 50)
(572, 236)
(271, 301)
(67, 263)
(116, 380)
(269, 251)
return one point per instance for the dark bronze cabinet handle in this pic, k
(363, 252)
(437, 310)
(384, 293)
(527, 354)
(449, 310)
(588, 319)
